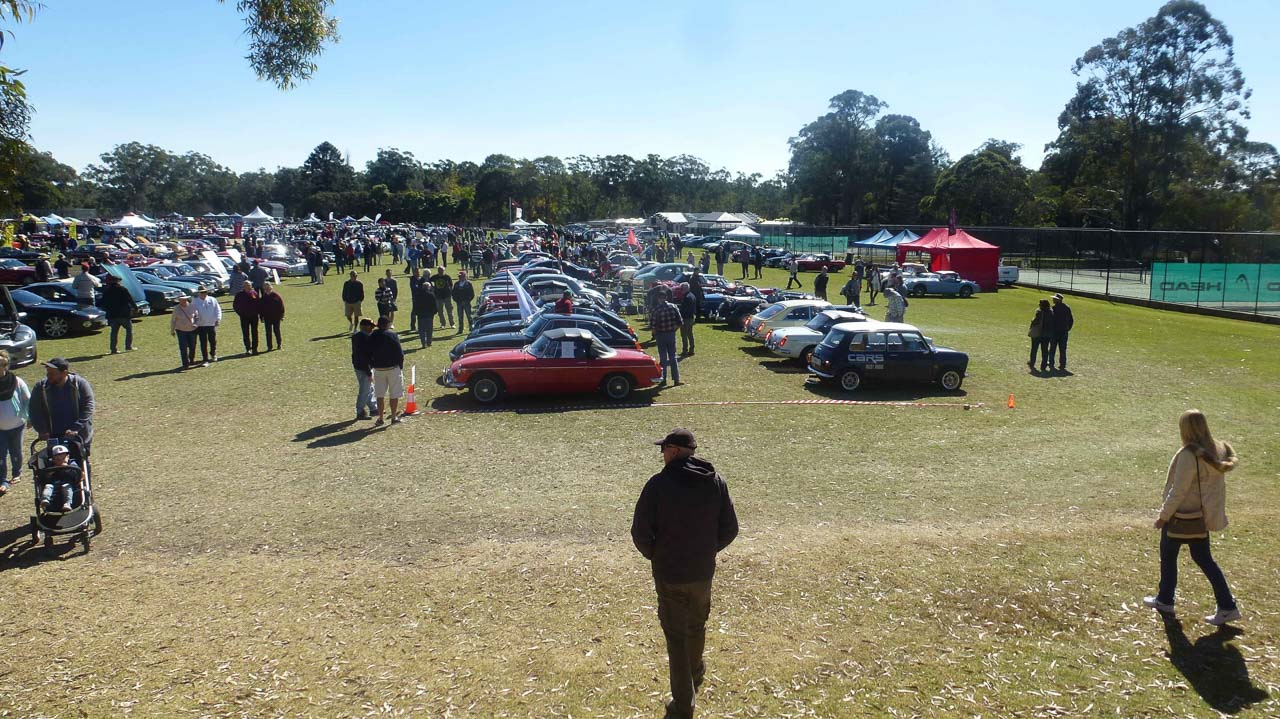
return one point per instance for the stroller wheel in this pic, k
(48, 541)
(97, 521)
(36, 535)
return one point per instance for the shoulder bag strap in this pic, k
(1198, 492)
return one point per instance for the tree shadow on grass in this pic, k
(17, 551)
(782, 366)
(1215, 669)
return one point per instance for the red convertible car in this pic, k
(815, 263)
(560, 361)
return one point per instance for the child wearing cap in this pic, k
(63, 484)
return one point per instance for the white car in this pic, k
(788, 313)
(797, 343)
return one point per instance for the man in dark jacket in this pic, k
(362, 363)
(820, 284)
(683, 518)
(688, 313)
(423, 315)
(119, 306)
(62, 404)
(247, 305)
(442, 285)
(1063, 321)
(387, 358)
(463, 293)
(352, 296)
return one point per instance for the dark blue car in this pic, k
(885, 352)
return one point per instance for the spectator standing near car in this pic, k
(387, 358)
(793, 266)
(44, 271)
(119, 306)
(874, 283)
(62, 404)
(362, 363)
(664, 320)
(248, 306)
(744, 261)
(271, 308)
(564, 305)
(424, 308)
(1195, 503)
(84, 285)
(62, 267)
(15, 399)
(463, 293)
(1063, 321)
(820, 284)
(352, 297)
(208, 317)
(237, 279)
(757, 259)
(722, 253)
(182, 324)
(852, 290)
(385, 299)
(258, 276)
(688, 311)
(1041, 333)
(897, 310)
(442, 285)
(683, 519)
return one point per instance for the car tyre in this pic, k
(919, 291)
(951, 380)
(55, 327)
(486, 389)
(806, 356)
(850, 380)
(617, 386)
(966, 291)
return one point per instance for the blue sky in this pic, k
(729, 82)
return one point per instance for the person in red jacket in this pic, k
(564, 305)
(247, 306)
(271, 308)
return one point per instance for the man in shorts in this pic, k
(387, 358)
(352, 296)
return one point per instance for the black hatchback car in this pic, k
(888, 352)
(602, 331)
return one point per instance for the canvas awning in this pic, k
(958, 251)
(258, 216)
(742, 232)
(365, 219)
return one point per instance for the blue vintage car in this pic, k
(886, 352)
(940, 283)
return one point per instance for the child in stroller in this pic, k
(61, 477)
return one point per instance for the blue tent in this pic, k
(904, 236)
(875, 240)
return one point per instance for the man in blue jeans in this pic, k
(684, 517)
(119, 306)
(665, 320)
(362, 363)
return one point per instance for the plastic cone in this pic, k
(410, 404)
(1011, 403)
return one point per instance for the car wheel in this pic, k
(966, 291)
(486, 389)
(28, 280)
(919, 291)
(55, 327)
(951, 380)
(850, 380)
(617, 386)
(806, 357)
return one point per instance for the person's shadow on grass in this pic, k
(325, 435)
(1215, 669)
(17, 551)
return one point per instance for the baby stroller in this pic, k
(45, 525)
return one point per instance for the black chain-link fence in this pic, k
(1225, 271)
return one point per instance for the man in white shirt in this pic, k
(208, 317)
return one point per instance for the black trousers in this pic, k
(270, 328)
(249, 331)
(208, 342)
(683, 610)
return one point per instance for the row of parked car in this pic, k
(51, 310)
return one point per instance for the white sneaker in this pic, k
(1222, 616)
(1156, 604)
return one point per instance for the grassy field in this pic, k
(265, 555)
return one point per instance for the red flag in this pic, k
(631, 238)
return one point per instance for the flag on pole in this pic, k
(377, 217)
(951, 222)
(631, 238)
(72, 232)
(525, 301)
(331, 217)
(6, 239)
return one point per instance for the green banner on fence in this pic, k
(1214, 283)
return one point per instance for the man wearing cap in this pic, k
(683, 518)
(352, 296)
(387, 357)
(664, 320)
(208, 317)
(1063, 321)
(62, 404)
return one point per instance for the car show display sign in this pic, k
(1215, 283)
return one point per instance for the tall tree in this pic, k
(986, 187)
(832, 158)
(326, 170)
(398, 170)
(1167, 82)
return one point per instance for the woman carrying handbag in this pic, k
(1195, 503)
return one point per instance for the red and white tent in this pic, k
(960, 252)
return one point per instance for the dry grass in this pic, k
(265, 557)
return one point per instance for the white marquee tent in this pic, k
(132, 222)
(257, 217)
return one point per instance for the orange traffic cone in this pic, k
(411, 402)
(1011, 403)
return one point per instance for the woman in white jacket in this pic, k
(1195, 486)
